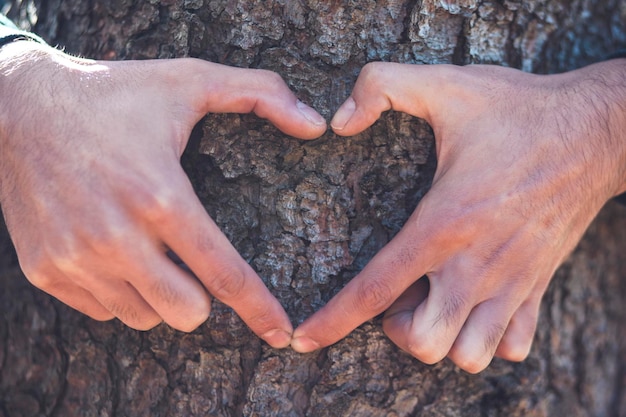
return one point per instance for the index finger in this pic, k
(190, 232)
(398, 265)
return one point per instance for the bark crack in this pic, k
(249, 358)
(58, 332)
(619, 399)
(5, 352)
(410, 8)
(459, 56)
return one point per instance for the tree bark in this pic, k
(309, 215)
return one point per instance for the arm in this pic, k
(525, 162)
(9, 32)
(94, 195)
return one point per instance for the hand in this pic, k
(525, 162)
(94, 195)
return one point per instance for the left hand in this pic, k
(94, 195)
(525, 162)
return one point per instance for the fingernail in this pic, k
(277, 338)
(344, 114)
(304, 344)
(310, 114)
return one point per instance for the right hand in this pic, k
(94, 195)
(524, 164)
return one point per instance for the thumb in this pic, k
(216, 88)
(382, 86)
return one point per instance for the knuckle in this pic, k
(373, 88)
(271, 78)
(227, 283)
(68, 254)
(373, 296)
(158, 207)
(38, 270)
(373, 72)
(426, 350)
(471, 363)
(108, 243)
(453, 309)
(474, 357)
(39, 278)
(514, 352)
(154, 204)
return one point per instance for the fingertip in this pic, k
(311, 115)
(343, 115)
(293, 118)
(191, 323)
(277, 338)
(304, 344)
(312, 127)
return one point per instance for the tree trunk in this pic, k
(308, 216)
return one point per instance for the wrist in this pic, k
(614, 84)
(18, 62)
(620, 65)
(597, 96)
(30, 73)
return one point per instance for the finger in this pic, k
(124, 302)
(403, 261)
(479, 338)
(412, 89)
(186, 228)
(215, 88)
(430, 331)
(409, 300)
(518, 338)
(398, 318)
(81, 300)
(176, 296)
(55, 283)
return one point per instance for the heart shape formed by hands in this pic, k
(507, 205)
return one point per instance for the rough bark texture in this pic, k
(308, 216)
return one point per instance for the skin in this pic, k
(525, 162)
(94, 195)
